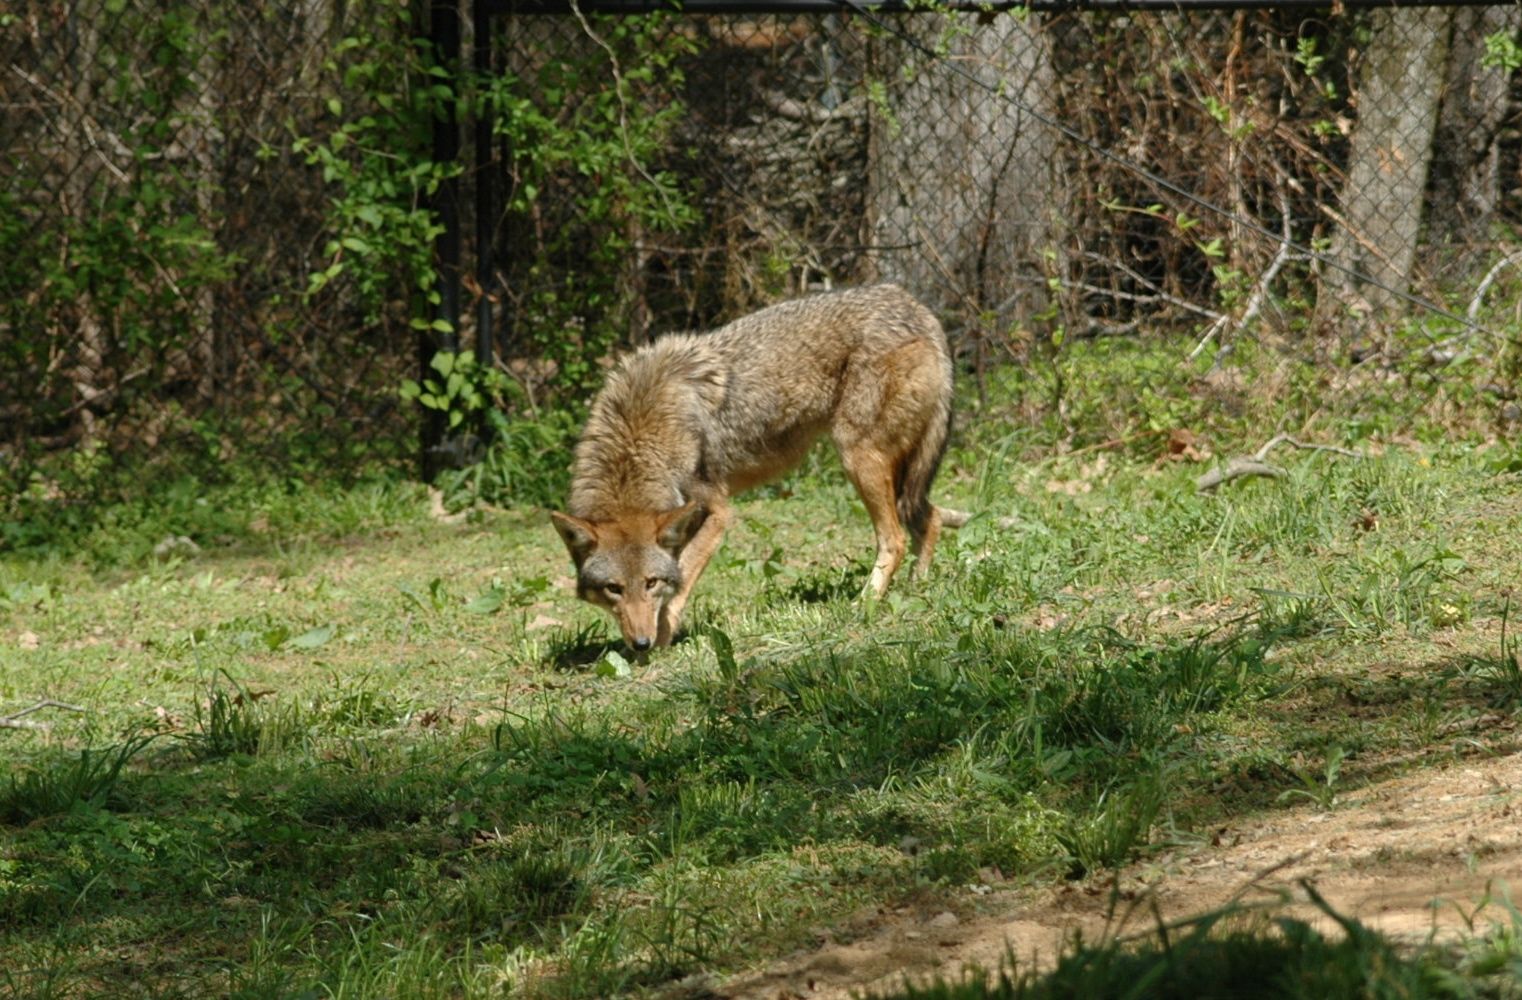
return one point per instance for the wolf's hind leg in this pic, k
(871, 472)
(693, 560)
(924, 542)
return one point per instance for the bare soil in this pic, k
(1412, 857)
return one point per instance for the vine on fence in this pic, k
(587, 118)
(374, 153)
(102, 299)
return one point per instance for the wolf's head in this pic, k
(630, 566)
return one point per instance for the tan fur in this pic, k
(689, 421)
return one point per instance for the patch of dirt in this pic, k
(1411, 857)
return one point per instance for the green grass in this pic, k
(345, 749)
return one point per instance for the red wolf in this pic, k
(690, 420)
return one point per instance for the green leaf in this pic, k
(413, 595)
(487, 602)
(437, 595)
(724, 653)
(314, 638)
(529, 589)
(613, 665)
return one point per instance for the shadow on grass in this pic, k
(579, 649)
(827, 585)
(518, 842)
(1237, 951)
(1348, 731)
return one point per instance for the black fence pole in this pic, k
(484, 179)
(444, 36)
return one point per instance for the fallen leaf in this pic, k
(314, 638)
(487, 602)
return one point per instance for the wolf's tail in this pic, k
(919, 469)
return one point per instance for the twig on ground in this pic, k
(1257, 464)
(16, 721)
(1234, 469)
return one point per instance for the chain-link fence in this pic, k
(217, 220)
(163, 210)
(1314, 174)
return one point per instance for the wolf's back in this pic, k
(691, 409)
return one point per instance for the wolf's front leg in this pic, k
(693, 560)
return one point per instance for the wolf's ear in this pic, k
(676, 527)
(579, 536)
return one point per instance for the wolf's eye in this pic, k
(651, 582)
(613, 589)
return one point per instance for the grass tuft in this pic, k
(238, 721)
(85, 780)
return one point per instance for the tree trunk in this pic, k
(88, 372)
(962, 188)
(1399, 91)
(1467, 181)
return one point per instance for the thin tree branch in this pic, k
(16, 720)
(1257, 464)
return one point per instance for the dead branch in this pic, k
(1510, 260)
(1234, 469)
(1279, 439)
(1158, 295)
(17, 720)
(1257, 464)
(1261, 286)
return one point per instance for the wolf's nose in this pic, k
(642, 644)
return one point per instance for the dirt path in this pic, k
(1383, 855)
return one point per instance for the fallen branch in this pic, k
(1235, 469)
(1257, 464)
(16, 721)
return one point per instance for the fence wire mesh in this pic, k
(160, 231)
(1340, 187)
(925, 151)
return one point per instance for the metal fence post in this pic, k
(484, 179)
(444, 36)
